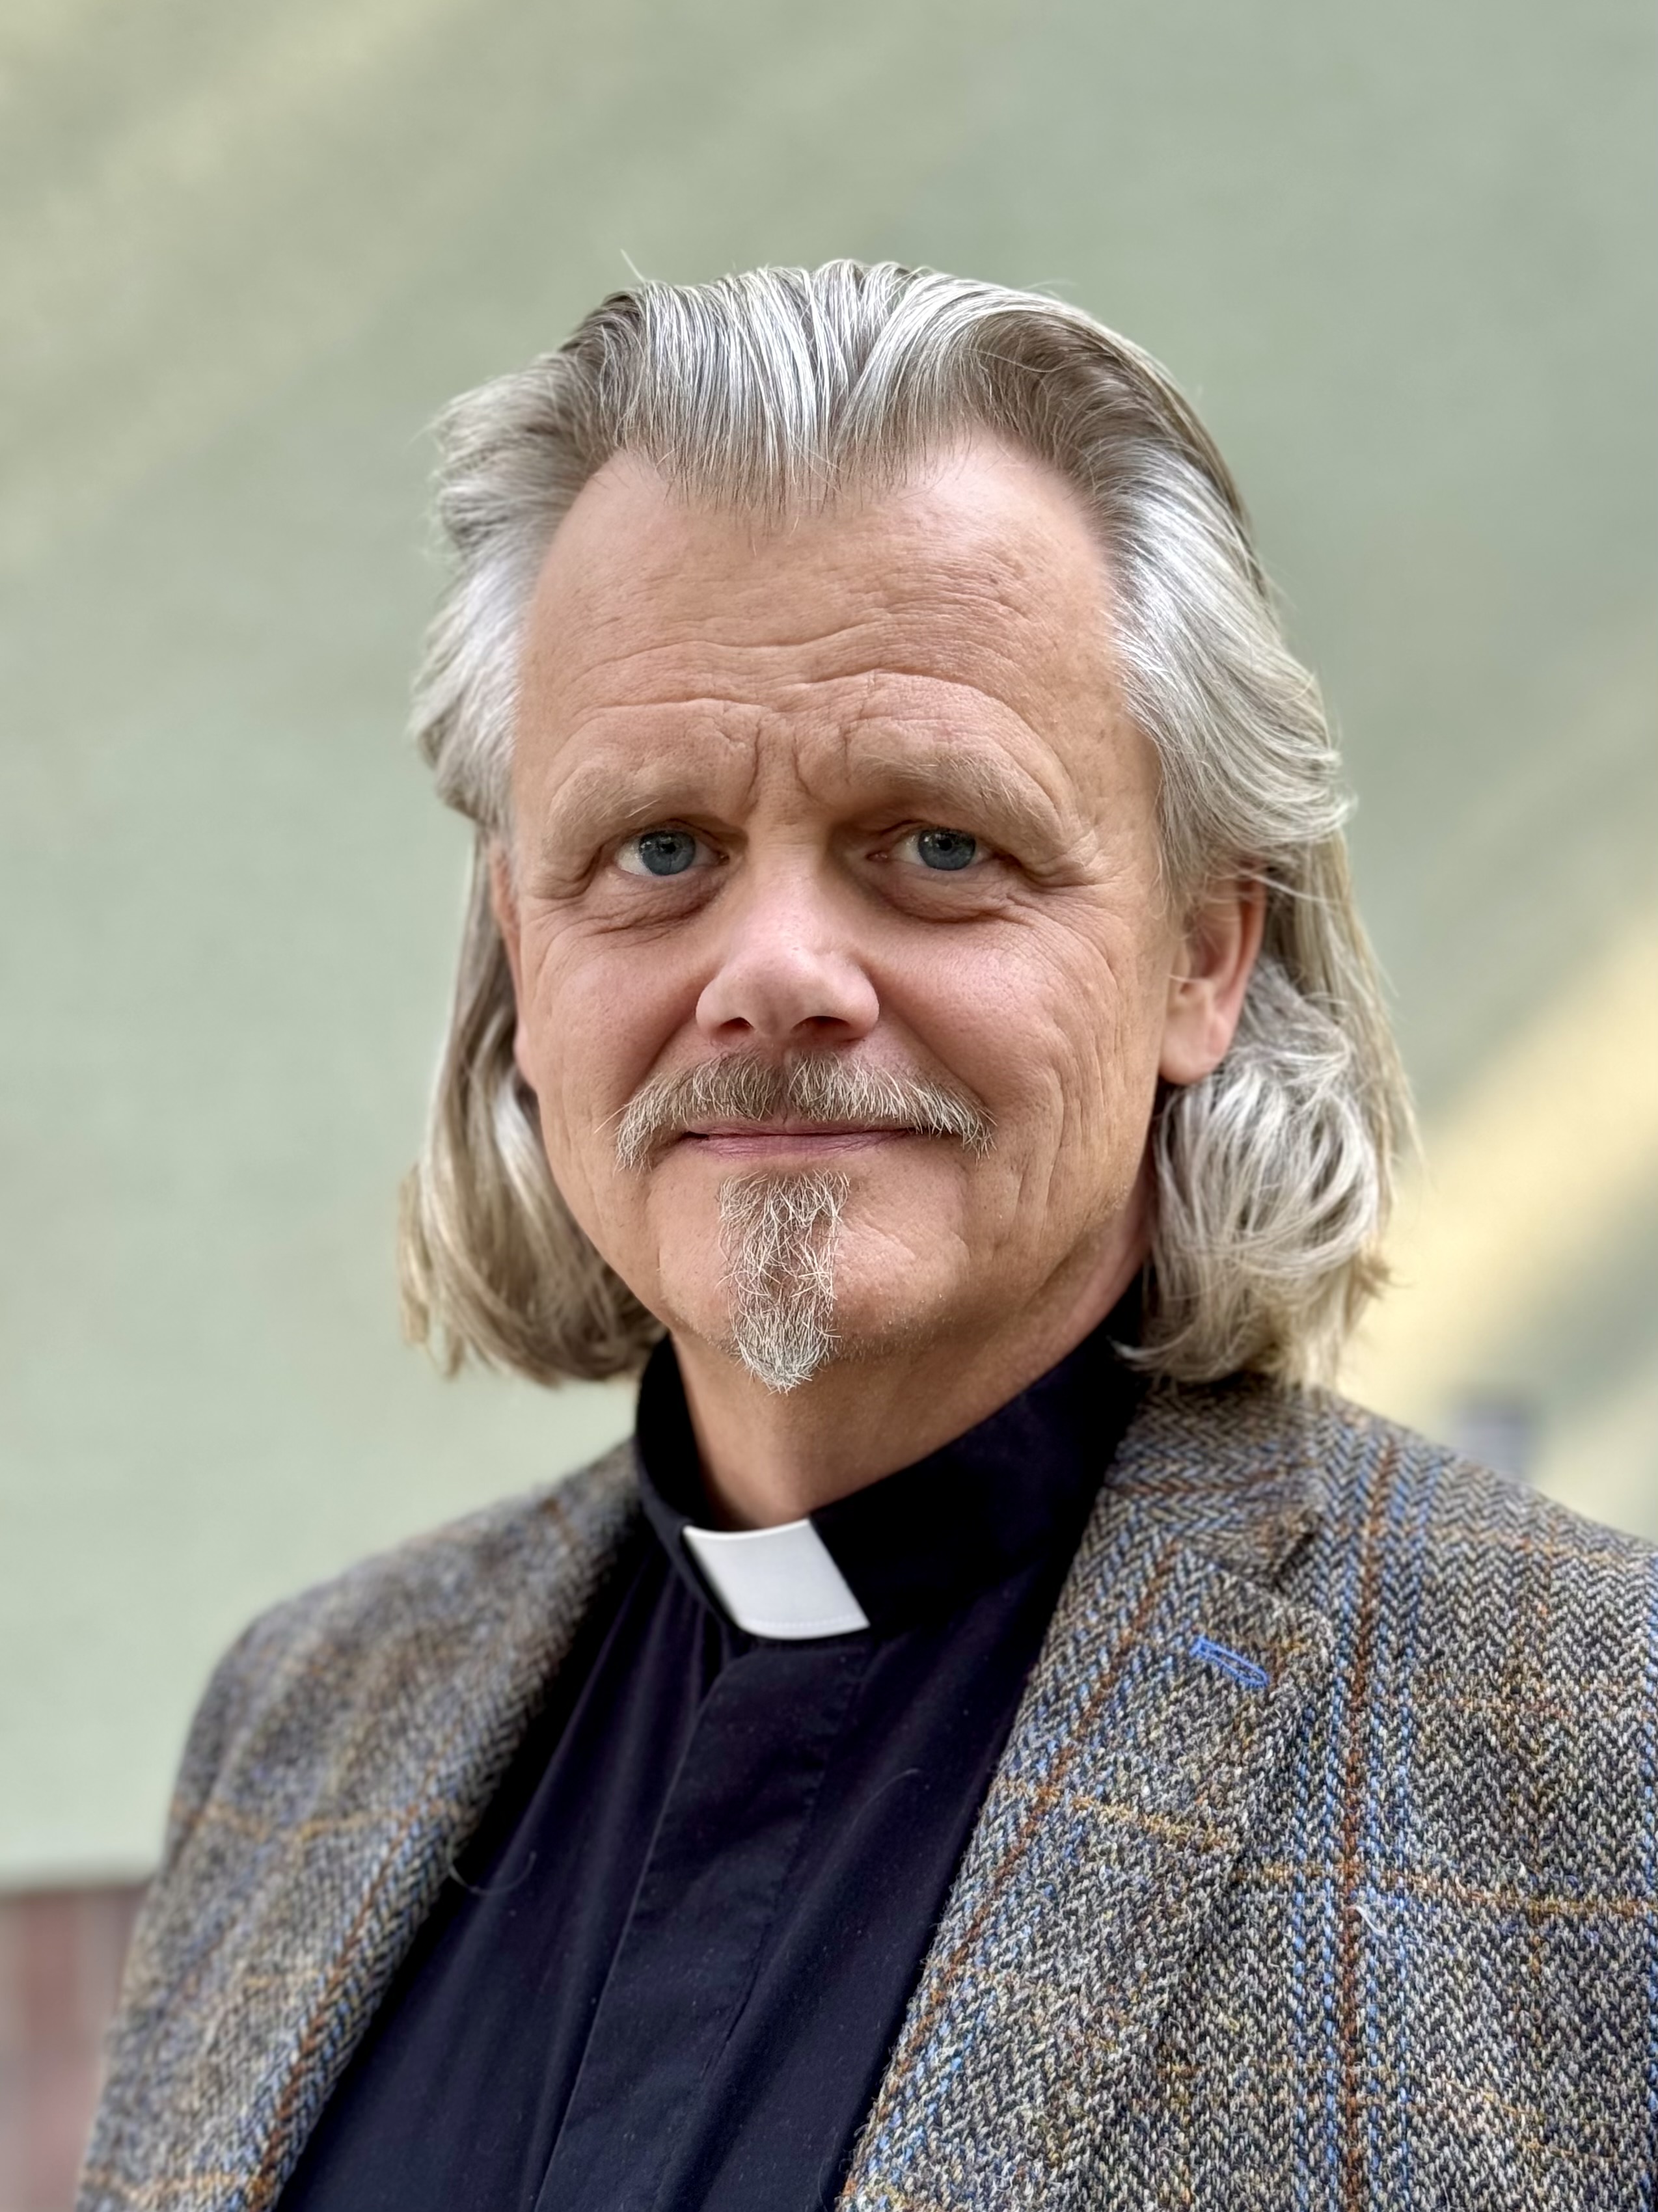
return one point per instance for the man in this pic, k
(999, 1737)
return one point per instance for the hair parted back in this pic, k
(773, 390)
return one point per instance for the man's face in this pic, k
(855, 786)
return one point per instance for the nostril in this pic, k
(773, 986)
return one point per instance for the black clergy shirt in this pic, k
(670, 1965)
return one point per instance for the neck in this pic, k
(769, 1457)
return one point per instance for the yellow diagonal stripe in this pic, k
(1524, 1183)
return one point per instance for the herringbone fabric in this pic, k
(1319, 1871)
(344, 1749)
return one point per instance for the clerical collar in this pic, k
(922, 1540)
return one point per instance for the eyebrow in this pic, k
(606, 798)
(982, 782)
(602, 799)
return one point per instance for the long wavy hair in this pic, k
(774, 390)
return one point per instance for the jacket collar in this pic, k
(1169, 1690)
(1235, 1470)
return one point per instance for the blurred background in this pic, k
(1403, 260)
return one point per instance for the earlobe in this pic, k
(1217, 957)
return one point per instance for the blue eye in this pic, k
(946, 848)
(658, 853)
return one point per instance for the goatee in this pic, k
(778, 1234)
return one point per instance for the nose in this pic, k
(788, 973)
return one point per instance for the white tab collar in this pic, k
(781, 1583)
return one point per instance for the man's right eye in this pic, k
(658, 853)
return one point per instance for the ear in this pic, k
(503, 905)
(1213, 964)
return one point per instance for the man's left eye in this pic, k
(659, 852)
(942, 849)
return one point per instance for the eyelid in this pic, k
(705, 854)
(986, 851)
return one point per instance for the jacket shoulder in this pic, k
(1386, 1479)
(446, 1570)
(421, 1606)
(1498, 1655)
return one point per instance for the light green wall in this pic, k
(1402, 258)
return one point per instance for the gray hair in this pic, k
(776, 389)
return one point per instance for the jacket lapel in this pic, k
(1168, 1690)
(379, 1715)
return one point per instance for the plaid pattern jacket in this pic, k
(1318, 1872)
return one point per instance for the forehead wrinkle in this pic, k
(691, 664)
(993, 601)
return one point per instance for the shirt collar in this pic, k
(923, 1540)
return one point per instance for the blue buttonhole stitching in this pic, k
(1231, 1662)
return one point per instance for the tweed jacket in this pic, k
(1318, 1871)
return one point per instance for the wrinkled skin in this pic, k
(782, 713)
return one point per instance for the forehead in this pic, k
(968, 605)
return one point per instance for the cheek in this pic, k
(1056, 1028)
(595, 1024)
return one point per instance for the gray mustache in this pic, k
(742, 1086)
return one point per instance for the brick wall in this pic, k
(60, 1965)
